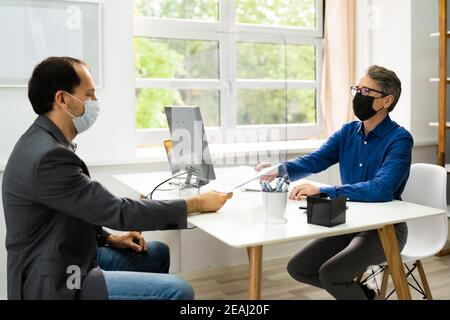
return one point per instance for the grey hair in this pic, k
(388, 81)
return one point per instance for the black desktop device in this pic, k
(187, 150)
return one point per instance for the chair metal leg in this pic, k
(384, 283)
(423, 279)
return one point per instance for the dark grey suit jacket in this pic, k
(53, 213)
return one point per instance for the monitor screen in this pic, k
(189, 150)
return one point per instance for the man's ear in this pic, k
(389, 101)
(60, 98)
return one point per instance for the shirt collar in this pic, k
(360, 128)
(380, 130)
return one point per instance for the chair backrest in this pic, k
(427, 185)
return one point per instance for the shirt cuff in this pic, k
(330, 191)
(282, 170)
(101, 238)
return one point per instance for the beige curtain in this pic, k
(339, 63)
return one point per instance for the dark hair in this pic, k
(388, 81)
(49, 76)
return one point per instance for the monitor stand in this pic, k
(188, 183)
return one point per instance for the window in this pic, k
(248, 64)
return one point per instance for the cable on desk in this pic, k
(167, 180)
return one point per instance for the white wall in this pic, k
(399, 39)
(391, 48)
(117, 97)
(425, 53)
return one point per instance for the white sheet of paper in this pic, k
(237, 178)
(258, 175)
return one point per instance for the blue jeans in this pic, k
(132, 276)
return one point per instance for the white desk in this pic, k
(240, 224)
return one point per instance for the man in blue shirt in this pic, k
(374, 157)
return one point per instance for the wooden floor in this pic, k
(230, 283)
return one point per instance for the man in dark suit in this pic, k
(56, 246)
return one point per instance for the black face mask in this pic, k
(362, 106)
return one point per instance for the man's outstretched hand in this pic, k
(270, 176)
(210, 201)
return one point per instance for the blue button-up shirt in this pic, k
(374, 168)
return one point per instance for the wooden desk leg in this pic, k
(395, 263)
(254, 272)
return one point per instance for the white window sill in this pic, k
(158, 155)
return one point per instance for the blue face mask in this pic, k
(90, 114)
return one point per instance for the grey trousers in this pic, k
(333, 263)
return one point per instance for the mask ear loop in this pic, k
(392, 98)
(73, 117)
(381, 98)
(74, 97)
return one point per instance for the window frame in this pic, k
(228, 33)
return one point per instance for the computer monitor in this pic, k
(188, 150)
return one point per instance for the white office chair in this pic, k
(427, 185)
